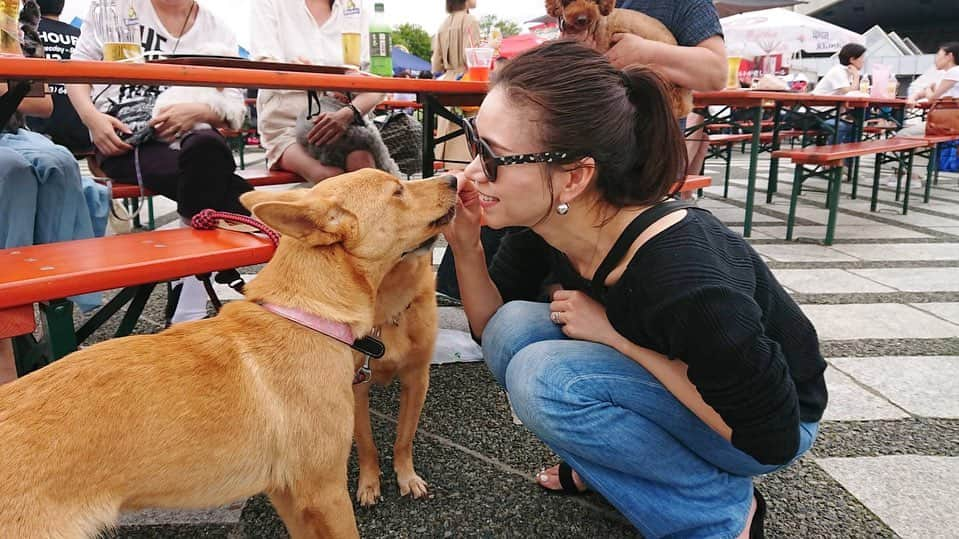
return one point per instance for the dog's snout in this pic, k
(452, 181)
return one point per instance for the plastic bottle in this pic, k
(352, 30)
(381, 43)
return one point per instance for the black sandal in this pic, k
(566, 481)
(756, 526)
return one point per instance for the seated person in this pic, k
(41, 198)
(64, 126)
(317, 41)
(183, 157)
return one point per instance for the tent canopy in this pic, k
(404, 60)
(780, 31)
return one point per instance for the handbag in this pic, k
(403, 136)
(943, 117)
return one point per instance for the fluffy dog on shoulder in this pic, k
(595, 21)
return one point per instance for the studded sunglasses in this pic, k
(491, 162)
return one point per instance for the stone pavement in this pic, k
(885, 301)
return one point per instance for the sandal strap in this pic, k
(566, 479)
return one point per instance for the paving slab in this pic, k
(845, 232)
(819, 215)
(954, 230)
(914, 279)
(914, 495)
(876, 321)
(901, 251)
(827, 281)
(849, 401)
(923, 219)
(804, 252)
(927, 386)
(949, 311)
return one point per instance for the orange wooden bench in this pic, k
(826, 162)
(46, 274)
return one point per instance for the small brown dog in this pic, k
(217, 410)
(406, 317)
(595, 21)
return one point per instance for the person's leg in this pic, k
(97, 196)
(296, 159)
(627, 436)
(207, 175)
(61, 210)
(8, 365)
(358, 159)
(18, 198)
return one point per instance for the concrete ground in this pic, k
(885, 301)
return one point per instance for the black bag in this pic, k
(403, 136)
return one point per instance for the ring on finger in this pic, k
(554, 316)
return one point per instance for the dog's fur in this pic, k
(595, 21)
(406, 314)
(356, 137)
(217, 410)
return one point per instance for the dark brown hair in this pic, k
(952, 48)
(850, 51)
(453, 6)
(587, 107)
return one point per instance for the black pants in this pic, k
(199, 175)
(446, 282)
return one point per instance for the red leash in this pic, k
(207, 220)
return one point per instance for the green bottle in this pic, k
(381, 43)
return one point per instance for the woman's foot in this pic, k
(561, 478)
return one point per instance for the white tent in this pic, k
(780, 31)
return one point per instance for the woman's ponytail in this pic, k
(660, 149)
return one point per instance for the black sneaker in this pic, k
(443, 300)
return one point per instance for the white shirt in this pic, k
(834, 80)
(952, 74)
(208, 35)
(285, 30)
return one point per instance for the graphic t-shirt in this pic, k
(64, 126)
(133, 103)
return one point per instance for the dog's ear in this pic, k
(252, 198)
(554, 8)
(316, 221)
(606, 7)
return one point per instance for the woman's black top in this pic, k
(699, 292)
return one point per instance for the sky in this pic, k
(426, 13)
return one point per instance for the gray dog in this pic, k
(356, 137)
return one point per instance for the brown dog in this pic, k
(595, 21)
(217, 410)
(406, 316)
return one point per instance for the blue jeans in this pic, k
(41, 196)
(621, 430)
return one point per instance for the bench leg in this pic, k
(835, 181)
(57, 318)
(931, 170)
(793, 200)
(905, 196)
(875, 183)
(729, 162)
(135, 309)
(28, 354)
(151, 223)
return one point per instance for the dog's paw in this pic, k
(368, 492)
(411, 484)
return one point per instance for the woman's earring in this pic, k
(562, 208)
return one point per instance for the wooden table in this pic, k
(756, 100)
(433, 95)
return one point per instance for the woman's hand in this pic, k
(582, 317)
(103, 131)
(329, 126)
(171, 122)
(464, 230)
(627, 49)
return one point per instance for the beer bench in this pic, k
(826, 162)
(47, 274)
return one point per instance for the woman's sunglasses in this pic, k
(490, 161)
